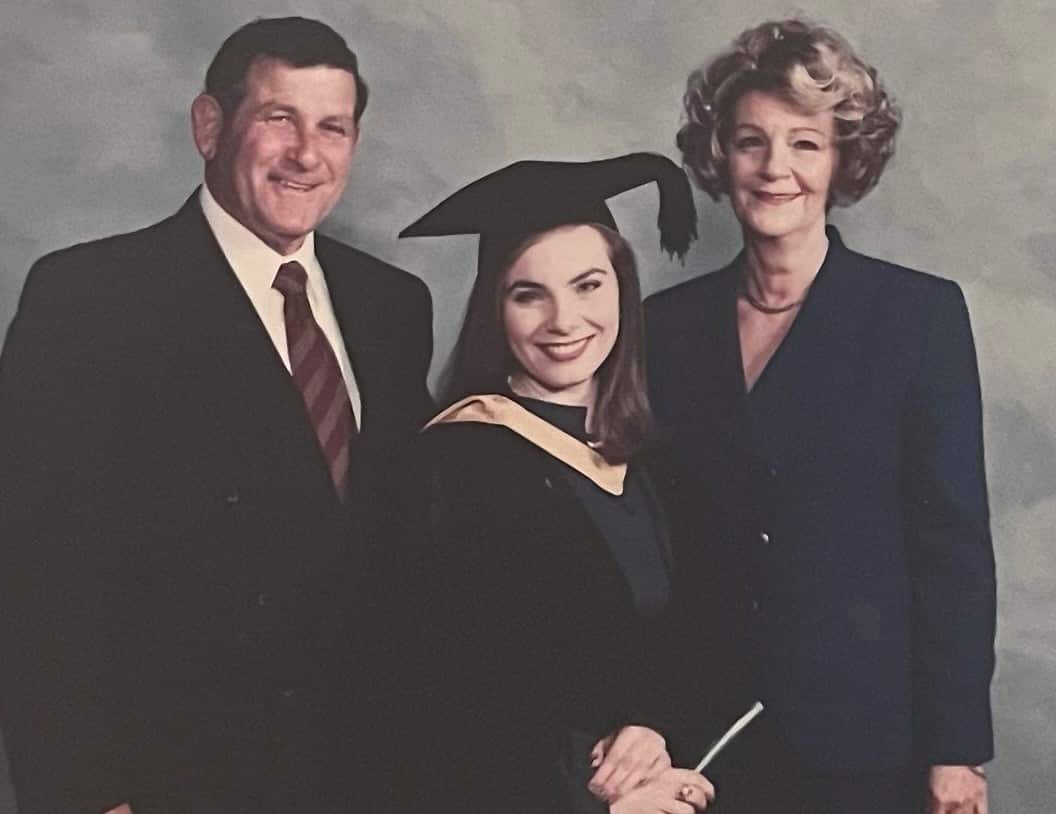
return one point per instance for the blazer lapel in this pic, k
(255, 400)
(352, 306)
(718, 374)
(814, 377)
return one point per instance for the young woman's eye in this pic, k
(524, 296)
(587, 286)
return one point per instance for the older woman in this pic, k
(549, 571)
(830, 403)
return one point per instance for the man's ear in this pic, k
(207, 120)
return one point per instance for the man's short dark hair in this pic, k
(297, 41)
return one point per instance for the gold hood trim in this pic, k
(496, 409)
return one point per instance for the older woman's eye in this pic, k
(748, 142)
(807, 144)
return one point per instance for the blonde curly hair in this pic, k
(811, 67)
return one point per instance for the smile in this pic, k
(565, 351)
(293, 186)
(776, 198)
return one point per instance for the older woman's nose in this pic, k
(776, 161)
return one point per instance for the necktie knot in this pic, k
(291, 279)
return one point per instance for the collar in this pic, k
(568, 418)
(496, 409)
(246, 252)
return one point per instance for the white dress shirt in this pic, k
(256, 264)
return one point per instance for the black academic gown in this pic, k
(534, 644)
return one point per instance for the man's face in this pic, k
(282, 159)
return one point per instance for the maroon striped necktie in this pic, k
(317, 374)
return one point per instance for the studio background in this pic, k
(94, 100)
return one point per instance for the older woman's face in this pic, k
(781, 163)
(561, 312)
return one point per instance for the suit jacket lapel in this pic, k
(351, 302)
(818, 367)
(722, 374)
(256, 401)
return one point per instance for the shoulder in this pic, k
(688, 295)
(908, 285)
(476, 471)
(383, 278)
(474, 447)
(98, 271)
(907, 309)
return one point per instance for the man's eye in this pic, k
(279, 118)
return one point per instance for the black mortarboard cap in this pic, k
(533, 196)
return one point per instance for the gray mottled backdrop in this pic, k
(94, 99)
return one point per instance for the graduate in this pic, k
(553, 572)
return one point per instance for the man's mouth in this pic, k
(294, 186)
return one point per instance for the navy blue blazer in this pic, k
(854, 493)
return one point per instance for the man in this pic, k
(194, 419)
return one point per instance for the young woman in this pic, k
(552, 582)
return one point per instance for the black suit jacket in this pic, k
(186, 599)
(529, 629)
(852, 478)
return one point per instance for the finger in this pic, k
(600, 749)
(601, 777)
(617, 780)
(691, 786)
(619, 744)
(660, 765)
(615, 760)
(632, 780)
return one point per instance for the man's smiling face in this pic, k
(282, 159)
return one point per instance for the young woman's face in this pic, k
(561, 313)
(780, 166)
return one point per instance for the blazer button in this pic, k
(549, 485)
(289, 693)
(764, 537)
(772, 471)
(232, 497)
(262, 599)
(755, 606)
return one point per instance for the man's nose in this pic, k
(303, 149)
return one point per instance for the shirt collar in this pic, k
(246, 252)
